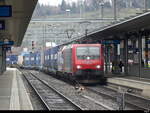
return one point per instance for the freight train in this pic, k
(11, 60)
(80, 62)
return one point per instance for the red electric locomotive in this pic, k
(82, 62)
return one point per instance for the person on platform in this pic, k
(121, 65)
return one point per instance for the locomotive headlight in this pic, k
(78, 67)
(98, 66)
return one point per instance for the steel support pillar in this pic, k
(116, 59)
(115, 52)
(115, 9)
(1, 60)
(145, 5)
(4, 61)
(116, 62)
(126, 56)
(134, 46)
(106, 59)
(146, 51)
(140, 53)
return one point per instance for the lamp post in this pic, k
(80, 4)
(44, 44)
(102, 9)
(115, 9)
(145, 5)
(43, 47)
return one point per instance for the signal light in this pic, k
(32, 44)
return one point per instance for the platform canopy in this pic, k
(118, 30)
(16, 25)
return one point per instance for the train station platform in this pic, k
(13, 95)
(141, 84)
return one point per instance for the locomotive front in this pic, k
(88, 63)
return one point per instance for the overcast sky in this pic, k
(53, 2)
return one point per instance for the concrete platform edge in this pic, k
(132, 83)
(14, 100)
(19, 99)
(24, 97)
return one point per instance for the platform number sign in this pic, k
(5, 11)
(148, 42)
(2, 25)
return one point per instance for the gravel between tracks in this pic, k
(76, 96)
(88, 100)
(36, 103)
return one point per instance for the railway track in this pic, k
(81, 98)
(132, 100)
(51, 98)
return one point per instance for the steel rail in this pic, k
(114, 97)
(63, 96)
(37, 93)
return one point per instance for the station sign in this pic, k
(2, 25)
(111, 42)
(136, 50)
(6, 43)
(148, 42)
(5, 10)
(130, 47)
(7, 48)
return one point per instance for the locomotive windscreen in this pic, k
(88, 53)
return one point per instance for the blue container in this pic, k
(33, 59)
(26, 60)
(11, 59)
(46, 58)
(37, 59)
(53, 59)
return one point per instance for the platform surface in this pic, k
(133, 82)
(13, 95)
